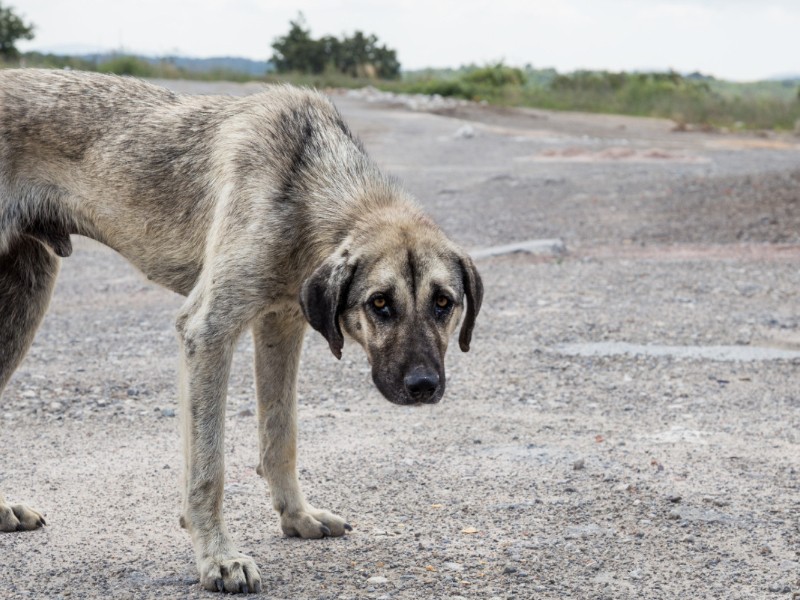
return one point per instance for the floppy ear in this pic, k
(323, 298)
(473, 289)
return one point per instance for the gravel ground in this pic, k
(541, 474)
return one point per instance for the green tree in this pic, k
(12, 29)
(297, 51)
(357, 56)
(360, 55)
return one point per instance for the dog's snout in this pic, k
(422, 384)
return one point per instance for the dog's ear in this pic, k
(473, 289)
(324, 296)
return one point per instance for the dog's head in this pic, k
(400, 293)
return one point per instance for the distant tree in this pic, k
(357, 56)
(361, 54)
(297, 51)
(12, 29)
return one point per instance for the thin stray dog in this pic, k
(265, 212)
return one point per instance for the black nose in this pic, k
(421, 384)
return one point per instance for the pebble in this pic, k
(167, 412)
(579, 464)
(465, 131)
(779, 587)
(377, 580)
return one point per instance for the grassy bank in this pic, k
(691, 100)
(684, 99)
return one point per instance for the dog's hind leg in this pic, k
(278, 340)
(27, 276)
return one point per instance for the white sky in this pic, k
(732, 39)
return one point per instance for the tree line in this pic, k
(358, 55)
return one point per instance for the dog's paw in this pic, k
(313, 523)
(19, 517)
(236, 574)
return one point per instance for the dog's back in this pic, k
(74, 143)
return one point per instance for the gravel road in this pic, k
(572, 457)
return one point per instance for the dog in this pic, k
(266, 213)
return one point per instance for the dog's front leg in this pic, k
(206, 354)
(278, 342)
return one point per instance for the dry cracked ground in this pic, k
(627, 424)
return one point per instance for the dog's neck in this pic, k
(368, 213)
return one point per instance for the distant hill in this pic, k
(793, 77)
(255, 68)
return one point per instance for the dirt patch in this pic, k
(613, 154)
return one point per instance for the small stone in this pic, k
(451, 566)
(674, 498)
(636, 574)
(764, 550)
(579, 464)
(465, 131)
(56, 406)
(377, 580)
(674, 515)
(246, 412)
(167, 412)
(509, 570)
(779, 587)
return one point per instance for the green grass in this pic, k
(688, 100)
(762, 105)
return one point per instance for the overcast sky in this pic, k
(732, 39)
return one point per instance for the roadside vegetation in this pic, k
(687, 99)
(358, 60)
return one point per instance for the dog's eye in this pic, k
(380, 305)
(442, 306)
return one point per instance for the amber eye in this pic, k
(379, 302)
(442, 301)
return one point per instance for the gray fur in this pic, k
(261, 210)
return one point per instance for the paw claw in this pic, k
(231, 572)
(19, 518)
(311, 523)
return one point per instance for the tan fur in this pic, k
(265, 212)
